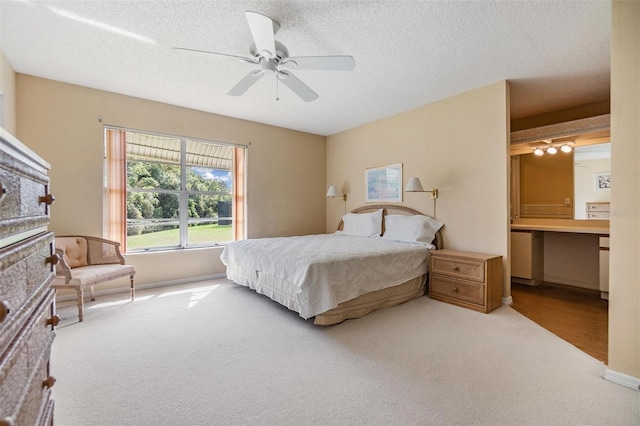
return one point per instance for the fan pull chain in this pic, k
(277, 96)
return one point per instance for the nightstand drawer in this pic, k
(469, 292)
(465, 269)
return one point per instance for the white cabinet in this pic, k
(527, 257)
(604, 267)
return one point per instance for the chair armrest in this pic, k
(62, 267)
(102, 251)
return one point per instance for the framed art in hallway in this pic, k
(384, 184)
(603, 181)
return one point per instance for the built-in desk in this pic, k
(599, 230)
(560, 251)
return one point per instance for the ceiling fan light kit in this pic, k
(272, 56)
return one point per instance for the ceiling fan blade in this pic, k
(263, 30)
(297, 86)
(336, 63)
(244, 84)
(242, 58)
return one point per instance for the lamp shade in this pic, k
(414, 185)
(333, 192)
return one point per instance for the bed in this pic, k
(377, 258)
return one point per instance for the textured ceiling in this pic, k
(408, 53)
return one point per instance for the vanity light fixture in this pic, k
(566, 147)
(414, 185)
(333, 193)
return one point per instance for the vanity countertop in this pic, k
(578, 228)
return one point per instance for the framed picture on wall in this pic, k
(603, 181)
(384, 184)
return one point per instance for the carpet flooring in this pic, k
(214, 353)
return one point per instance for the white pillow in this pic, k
(363, 224)
(411, 229)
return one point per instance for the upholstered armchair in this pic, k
(86, 261)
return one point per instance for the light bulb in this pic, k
(565, 148)
(538, 151)
(552, 150)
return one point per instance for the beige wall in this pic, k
(8, 91)
(572, 259)
(458, 145)
(60, 122)
(624, 275)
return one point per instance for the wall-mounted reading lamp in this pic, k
(333, 193)
(414, 185)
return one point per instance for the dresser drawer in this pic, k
(459, 268)
(26, 277)
(24, 204)
(14, 376)
(459, 290)
(597, 215)
(598, 207)
(42, 333)
(25, 367)
(33, 407)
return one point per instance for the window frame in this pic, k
(237, 193)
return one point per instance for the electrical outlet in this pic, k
(567, 201)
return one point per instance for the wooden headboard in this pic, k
(392, 209)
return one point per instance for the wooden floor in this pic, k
(575, 315)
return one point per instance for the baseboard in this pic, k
(108, 291)
(622, 379)
(572, 283)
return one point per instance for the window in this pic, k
(167, 192)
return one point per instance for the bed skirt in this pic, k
(369, 302)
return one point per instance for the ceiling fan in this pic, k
(273, 57)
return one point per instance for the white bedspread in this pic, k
(314, 273)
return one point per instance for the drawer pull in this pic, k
(455, 289)
(47, 199)
(455, 268)
(49, 382)
(53, 259)
(54, 321)
(4, 310)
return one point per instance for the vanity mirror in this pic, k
(592, 181)
(575, 185)
(561, 176)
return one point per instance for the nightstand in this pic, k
(471, 280)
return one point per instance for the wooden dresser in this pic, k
(27, 306)
(472, 280)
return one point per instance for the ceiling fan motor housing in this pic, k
(281, 54)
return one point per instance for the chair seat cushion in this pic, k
(94, 274)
